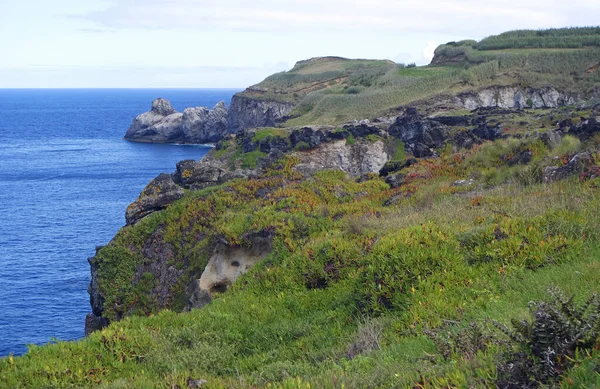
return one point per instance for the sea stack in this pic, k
(163, 124)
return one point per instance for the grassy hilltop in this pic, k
(426, 283)
(332, 90)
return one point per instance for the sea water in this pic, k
(66, 177)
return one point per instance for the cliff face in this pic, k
(247, 112)
(515, 97)
(162, 124)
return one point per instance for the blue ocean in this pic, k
(66, 177)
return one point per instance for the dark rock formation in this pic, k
(159, 193)
(395, 180)
(247, 112)
(576, 165)
(192, 174)
(393, 166)
(162, 124)
(418, 133)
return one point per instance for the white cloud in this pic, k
(459, 17)
(429, 50)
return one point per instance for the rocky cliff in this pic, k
(360, 149)
(248, 112)
(162, 124)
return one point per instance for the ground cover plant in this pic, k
(360, 277)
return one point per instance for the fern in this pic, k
(545, 345)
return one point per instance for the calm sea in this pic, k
(66, 177)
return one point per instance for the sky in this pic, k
(237, 43)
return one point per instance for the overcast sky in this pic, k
(236, 43)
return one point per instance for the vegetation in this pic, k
(424, 285)
(366, 286)
(333, 90)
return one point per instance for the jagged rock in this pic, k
(575, 166)
(247, 112)
(586, 127)
(159, 193)
(201, 125)
(196, 175)
(311, 136)
(463, 140)
(514, 97)
(453, 120)
(162, 124)
(395, 180)
(552, 138)
(361, 129)
(94, 323)
(418, 133)
(356, 159)
(267, 145)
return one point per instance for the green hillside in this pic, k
(477, 266)
(333, 90)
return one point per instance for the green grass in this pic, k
(263, 133)
(333, 90)
(347, 267)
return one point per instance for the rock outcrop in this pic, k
(355, 159)
(419, 134)
(514, 97)
(162, 124)
(576, 165)
(159, 193)
(247, 112)
(227, 263)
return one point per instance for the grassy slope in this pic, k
(352, 262)
(346, 266)
(332, 90)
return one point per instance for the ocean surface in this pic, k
(66, 177)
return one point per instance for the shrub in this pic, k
(543, 347)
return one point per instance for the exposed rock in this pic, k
(312, 136)
(94, 323)
(201, 125)
(514, 97)
(463, 140)
(196, 175)
(247, 112)
(395, 180)
(468, 182)
(552, 138)
(357, 159)
(159, 193)
(418, 133)
(363, 128)
(575, 166)
(269, 144)
(228, 263)
(158, 255)
(162, 124)
(585, 128)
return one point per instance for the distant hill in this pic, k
(333, 90)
